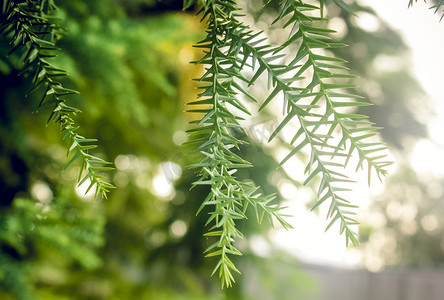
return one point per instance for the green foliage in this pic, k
(215, 139)
(356, 132)
(43, 231)
(313, 83)
(130, 78)
(33, 32)
(321, 106)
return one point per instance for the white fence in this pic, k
(345, 284)
(295, 281)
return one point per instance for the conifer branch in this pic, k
(214, 134)
(33, 29)
(320, 94)
(322, 90)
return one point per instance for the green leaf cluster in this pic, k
(215, 138)
(314, 86)
(326, 93)
(33, 31)
(42, 231)
(130, 78)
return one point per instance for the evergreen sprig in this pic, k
(215, 136)
(326, 94)
(314, 86)
(33, 32)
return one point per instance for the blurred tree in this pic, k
(403, 226)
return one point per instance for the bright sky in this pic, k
(422, 31)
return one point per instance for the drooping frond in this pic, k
(32, 28)
(314, 86)
(326, 94)
(215, 138)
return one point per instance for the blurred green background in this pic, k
(130, 62)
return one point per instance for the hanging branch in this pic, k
(214, 135)
(33, 32)
(321, 107)
(327, 94)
